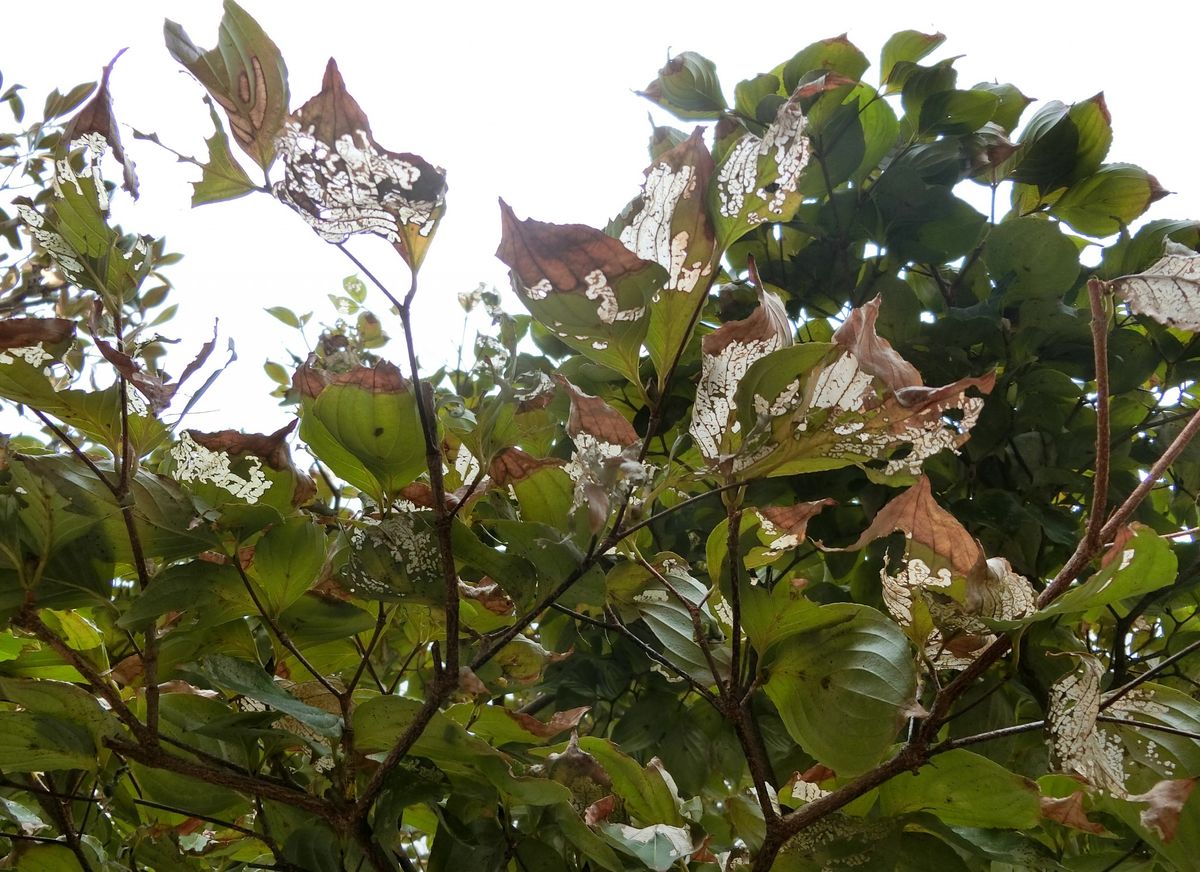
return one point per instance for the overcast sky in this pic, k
(533, 102)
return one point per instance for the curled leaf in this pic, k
(559, 722)
(1168, 291)
(1166, 801)
(875, 355)
(96, 119)
(1069, 811)
(342, 182)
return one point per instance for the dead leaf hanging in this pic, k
(342, 182)
(95, 126)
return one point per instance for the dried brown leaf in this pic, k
(1166, 800)
(598, 812)
(917, 514)
(1069, 811)
(25, 332)
(383, 378)
(513, 465)
(789, 524)
(559, 722)
(271, 448)
(488, 594)
(596, 418)
(875, 354)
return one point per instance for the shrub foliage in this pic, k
(811, 519)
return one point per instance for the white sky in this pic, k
(532, 101)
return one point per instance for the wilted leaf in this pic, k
(1069, 811)
(1168, 291)
(343, 182)
(97, 119)
(588, 288)
(786, 527)
(18, 335)
(245, 73)
(1166, 801)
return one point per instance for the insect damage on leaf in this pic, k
(760, 174)
(342, 182)
(1168, 291)
(196, 463)
(670, 226)
(606, 453)
(728, 352)
(1077, 744)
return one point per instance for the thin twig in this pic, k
(1103, 435)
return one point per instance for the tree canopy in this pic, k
(810, 519)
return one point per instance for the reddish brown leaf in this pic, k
(309, 379)
(343, 182)
(24, 332)
(1166, 799)
(816, 774)
(789, 524)
(97, 117)
(383, 378)
(596, 418)
(271, 448)
(1117, 549)
(488, 594)
(916, 513)
(598, 811)
(767, 325)
(1069, 812)
(513, 465)
(561, 258)
(875, 355)
(158, 395)
(558, 723)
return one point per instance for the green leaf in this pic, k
(250, 680)
(61, 700)
(776, 615)
(1011, 104)
(844, 687)
(35, 742)
(1144, 564)
(907, 45)
(245, 73)
(284, 314)
(964, 789)
(287, 561)
(223, 177)
(955, 113)
(688, 87)
(649, 794)
(834, 55)
(1030, 258)
(1109, 200)
(369, 415)
(660, 846)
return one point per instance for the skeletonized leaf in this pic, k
(588, 288)
(1169, 291)
(1077, 744)
(758, 178)
(727, 354)
(343, 182)
(245, 73)
(1166, 801)
(817, 406)
(669, 224)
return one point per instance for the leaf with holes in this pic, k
(589, 289)
(342, 182)
(1168, 291)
